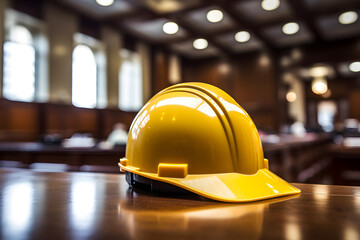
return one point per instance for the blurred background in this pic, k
(74, 74)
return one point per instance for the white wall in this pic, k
(61, 26)
(113, 43)
(144, 54)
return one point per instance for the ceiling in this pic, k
(318, 21)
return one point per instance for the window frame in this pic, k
(37, 30)
(29, 44)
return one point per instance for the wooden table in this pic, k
(39, 205)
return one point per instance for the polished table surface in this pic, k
(40, 205)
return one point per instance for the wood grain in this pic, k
(38, 205)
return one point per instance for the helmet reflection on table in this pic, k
(196, 137)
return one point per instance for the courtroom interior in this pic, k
(74, 74)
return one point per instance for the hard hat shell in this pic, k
(195, 136)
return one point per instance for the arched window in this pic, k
(19, 65)
(84, 77)
(130, 82)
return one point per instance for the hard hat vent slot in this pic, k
(266, 163)
(172, 170)
(124, 162)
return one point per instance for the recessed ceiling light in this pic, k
(291, 96)
(290, 28)
(264, 60)
(200, 43)
(170, 28)
(242, 36)
(319, 86)
(105, 3)
(214, 16)
(348, 17)
(270, 5)
(354, 66)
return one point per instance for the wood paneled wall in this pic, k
(21, 121)
(160, 68)
(354, 99)
(251, 79)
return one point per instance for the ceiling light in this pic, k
(291, 96)
(354, 66)
(170, 28)
(348, 17)
(105, 3)
(200, 43)
(242, 36)
(285, 61)
(290, 28)
(214, 16)
(224, 68)
(270, 5)
(264, 60)
(319, 86)
(296, 54)
(319, 71)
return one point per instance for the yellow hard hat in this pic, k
(196, 137)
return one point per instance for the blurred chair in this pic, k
(119, 135)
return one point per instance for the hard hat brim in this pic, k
(228, 187)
